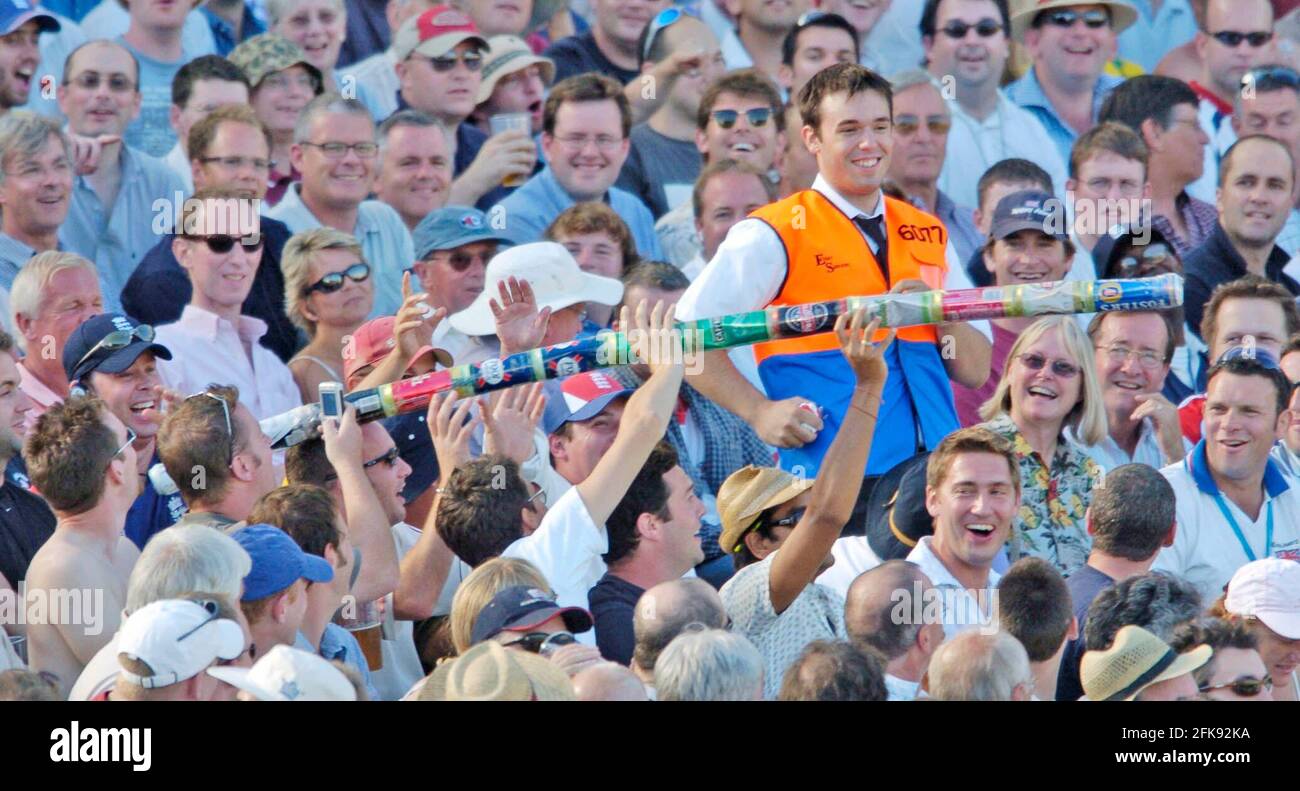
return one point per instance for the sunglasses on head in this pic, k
(1246, 686)
(665, 18)
(1036, 362)
(540, 642)
(220, 243)
(118, 340)
(757, 117)
(1150, 257)
(225, 411)
(332, 282)
(985, 28)
(1095, 19)
(1264, 77)
(1233, 38)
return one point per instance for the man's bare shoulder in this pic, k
(63, 558)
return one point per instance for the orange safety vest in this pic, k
(827, 257)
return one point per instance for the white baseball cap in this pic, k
(177, 638)
(1269, 590)
(287, 673)
(551, 270)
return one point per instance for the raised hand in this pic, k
(520, 325)
(450, 429)
(414, 325)
(654, 336)
(510, 419)
(342, 438)
(867, 359)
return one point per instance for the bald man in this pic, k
(978, 666)
(609, 681)
(664, 611)
(869, 616)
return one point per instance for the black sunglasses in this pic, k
(985, 28)
(1095, 19)
(472, 60)
(789, 520)
(389, 458)
(1063, 369)
(1154, 257)
(538, 642)
(116, 341)
(1233, 38)
(757, 117)
(1246, 687)
(332, 282)
(220, 243)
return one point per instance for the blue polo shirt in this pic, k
(152, 512)
(1028, 93)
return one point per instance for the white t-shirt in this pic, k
(1206, 550)
(853, 555)
(900, 689)
(567, 549)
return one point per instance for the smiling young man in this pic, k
(1235, 505)
(21, 25)
(1256, 179)
(125, 377)
(818, 41)
(972, 490)
(415, 165)
(842, 237)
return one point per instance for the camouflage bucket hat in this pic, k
(268, 53)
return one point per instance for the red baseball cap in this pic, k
(435, 33)
(372, 342)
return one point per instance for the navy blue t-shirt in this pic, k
(1084, 586)
(613, 602)
(26, 523)
(152, 512)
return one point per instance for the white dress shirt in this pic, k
(1109, 455)
(207, 349)
(961, 608)
(1221, 139)
(974, 146)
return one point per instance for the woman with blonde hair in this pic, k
(1049, 383)
(328, 293)
(480, 586)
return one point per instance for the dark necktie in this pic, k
(875, 229)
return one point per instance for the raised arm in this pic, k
(367, 525)
(835, 491)
(645, 419)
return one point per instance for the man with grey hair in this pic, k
(35, 188)
(709, 665)
(921, 124)
(180, 560)
(976, 666)
(52, 295)
(665, 611)
(334, 149)
(608, 681)
(1130, 519)
(877, 614)
(112, 219)
(415, 165)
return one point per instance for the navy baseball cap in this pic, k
(16, 13)
(278, 562)
(897, 518)
(520, 608)
(111, 358)
(1110, 248)
(581, 397)
(1029, 210)
(450, 227)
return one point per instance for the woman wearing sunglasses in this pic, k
(1264, 595)
(327, 293)
(1049, 382)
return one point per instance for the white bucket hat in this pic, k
(553, 273)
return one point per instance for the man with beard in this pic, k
(115, 359)
(20, 28)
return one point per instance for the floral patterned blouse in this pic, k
(1051, 522)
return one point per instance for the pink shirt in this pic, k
(42, 397)
(207, 349)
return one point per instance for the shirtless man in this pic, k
(81, 459)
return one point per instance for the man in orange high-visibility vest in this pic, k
(826, 243)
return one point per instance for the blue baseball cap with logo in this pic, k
(16, 13)
(450, 227)
(278, 562)
(90, 349)
(1029, 210)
